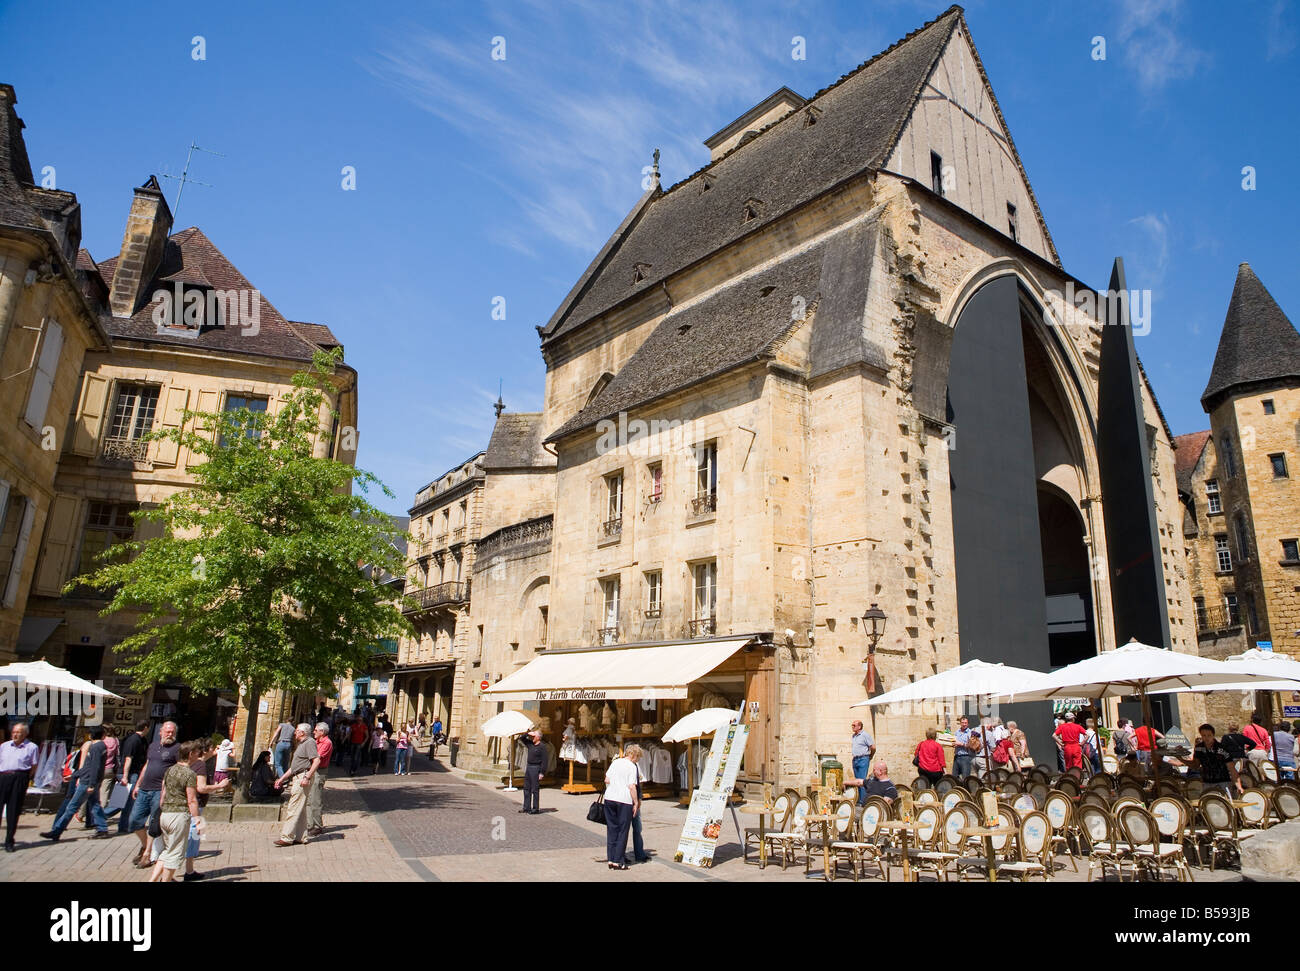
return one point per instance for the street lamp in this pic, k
(873, 623)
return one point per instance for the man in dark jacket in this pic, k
(84, 787)
(533, 772)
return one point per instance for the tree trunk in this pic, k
(246, 756)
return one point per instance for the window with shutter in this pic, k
(38, 399)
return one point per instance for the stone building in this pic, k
(839, 365)
(1242, 520)
(445, 525)
(46, 328)
(188, 330)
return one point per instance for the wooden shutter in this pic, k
(38, 400)
(207, 402)
(177, 400)
(20, 553)
(52, 568)
(90, 417)
(148, 529)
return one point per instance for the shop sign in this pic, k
(709, 803)
(1264, 645)
(571, 694)
(1291, 711)
(1174, 738)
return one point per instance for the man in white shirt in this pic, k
(621, 805)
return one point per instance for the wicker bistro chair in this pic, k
(1129, 788)
(1060, 814)
(780, 816)
(838, 829)
(1125, 800)
(1069, 785)
(1192, 789)
(946, 782)
(1173, 816)
(1220, 829)
(862, 847)
(928, 795)
(926, 832)
(954, 796)
(1286, 802)
(1096, 797)
(1151, 855)
(946, 849)
(1104, 849)
(1033, 845)
(1025, 803)
(1102, 781)
(1270, 771)
(794, 836)
(1257, 812)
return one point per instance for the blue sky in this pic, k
(480, 178)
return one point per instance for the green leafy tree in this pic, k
(256, 580)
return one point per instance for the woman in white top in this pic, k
(621, 804)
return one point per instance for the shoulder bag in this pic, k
(596, 811)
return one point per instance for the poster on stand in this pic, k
(703, 825)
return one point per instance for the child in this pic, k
(379, 749)
(223, 760)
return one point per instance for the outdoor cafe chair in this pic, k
(1060, 814)
(1269, 768)
(1131, 789)
(954, 796)
(794, 836)
(1033, 849)
(1109, 762)
(1173, 816)
(1039, 790)
(927, 795)
(859, 846)
(1125, 800)
(780, 812)
(1256, 813)
(1069, 785)
(1170, 787)
(1095, 798)
(925, 832)
(946, 849)
(1100, 781)
(1249, 769)
(1192, 789)
(920, 784)
(1104, 848)
(1025, 803)
(1286, 802)
(946, 782)
(1220, 829)
(838, 829)
(1150, 853)
(1011, 786)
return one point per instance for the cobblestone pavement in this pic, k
(431, 825)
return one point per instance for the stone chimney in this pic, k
(147, 228)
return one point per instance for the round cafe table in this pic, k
(986, 833)
(762, 812)
(904, 829)
(823, 820)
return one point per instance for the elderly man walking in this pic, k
(18, 758)
(324, 749)
(159, 757)
(299, 776)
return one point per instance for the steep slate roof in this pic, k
(732, 327)
(785, 166)
(189, 255)
(1259, 343)
(15, 168)
(1187, 452)
(516, 443)
(317, 334)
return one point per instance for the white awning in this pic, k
(655, 671)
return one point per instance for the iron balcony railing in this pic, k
(441, 594)
(704, 627)
(126, 449)
(1210, 619)
(608, 635)
(612, 527)
(705, 503)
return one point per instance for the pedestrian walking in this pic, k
(179, 804)
(111, 764)
(324, 749)
(961, 753)
(621, 805)
(378, 749)
(1068, 738)
(302, 769)
(282, 745)
(533, 772)
(402, 753)
(147, 792)
(357, 737)
(84, 787)
(133, 753)
(202, 751)
(18, 759)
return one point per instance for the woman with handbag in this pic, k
(179, 803)
(929, 760)
(621, 804)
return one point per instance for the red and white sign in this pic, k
(483, 685)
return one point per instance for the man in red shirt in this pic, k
(325, 749)
(357, 737)
(1067, 740)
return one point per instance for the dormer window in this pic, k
(706, 182)
(936, 173)
(1012, 229)
(811, 115)
(640, 272)
(752, 209)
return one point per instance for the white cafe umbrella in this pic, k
(970, 680)
(42, 674)
(1134, 669)
(706, 721)
(508, 724)
(1253, 664)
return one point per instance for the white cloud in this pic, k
(1152, 45)
(1155, 254)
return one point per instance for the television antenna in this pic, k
(184, 178)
